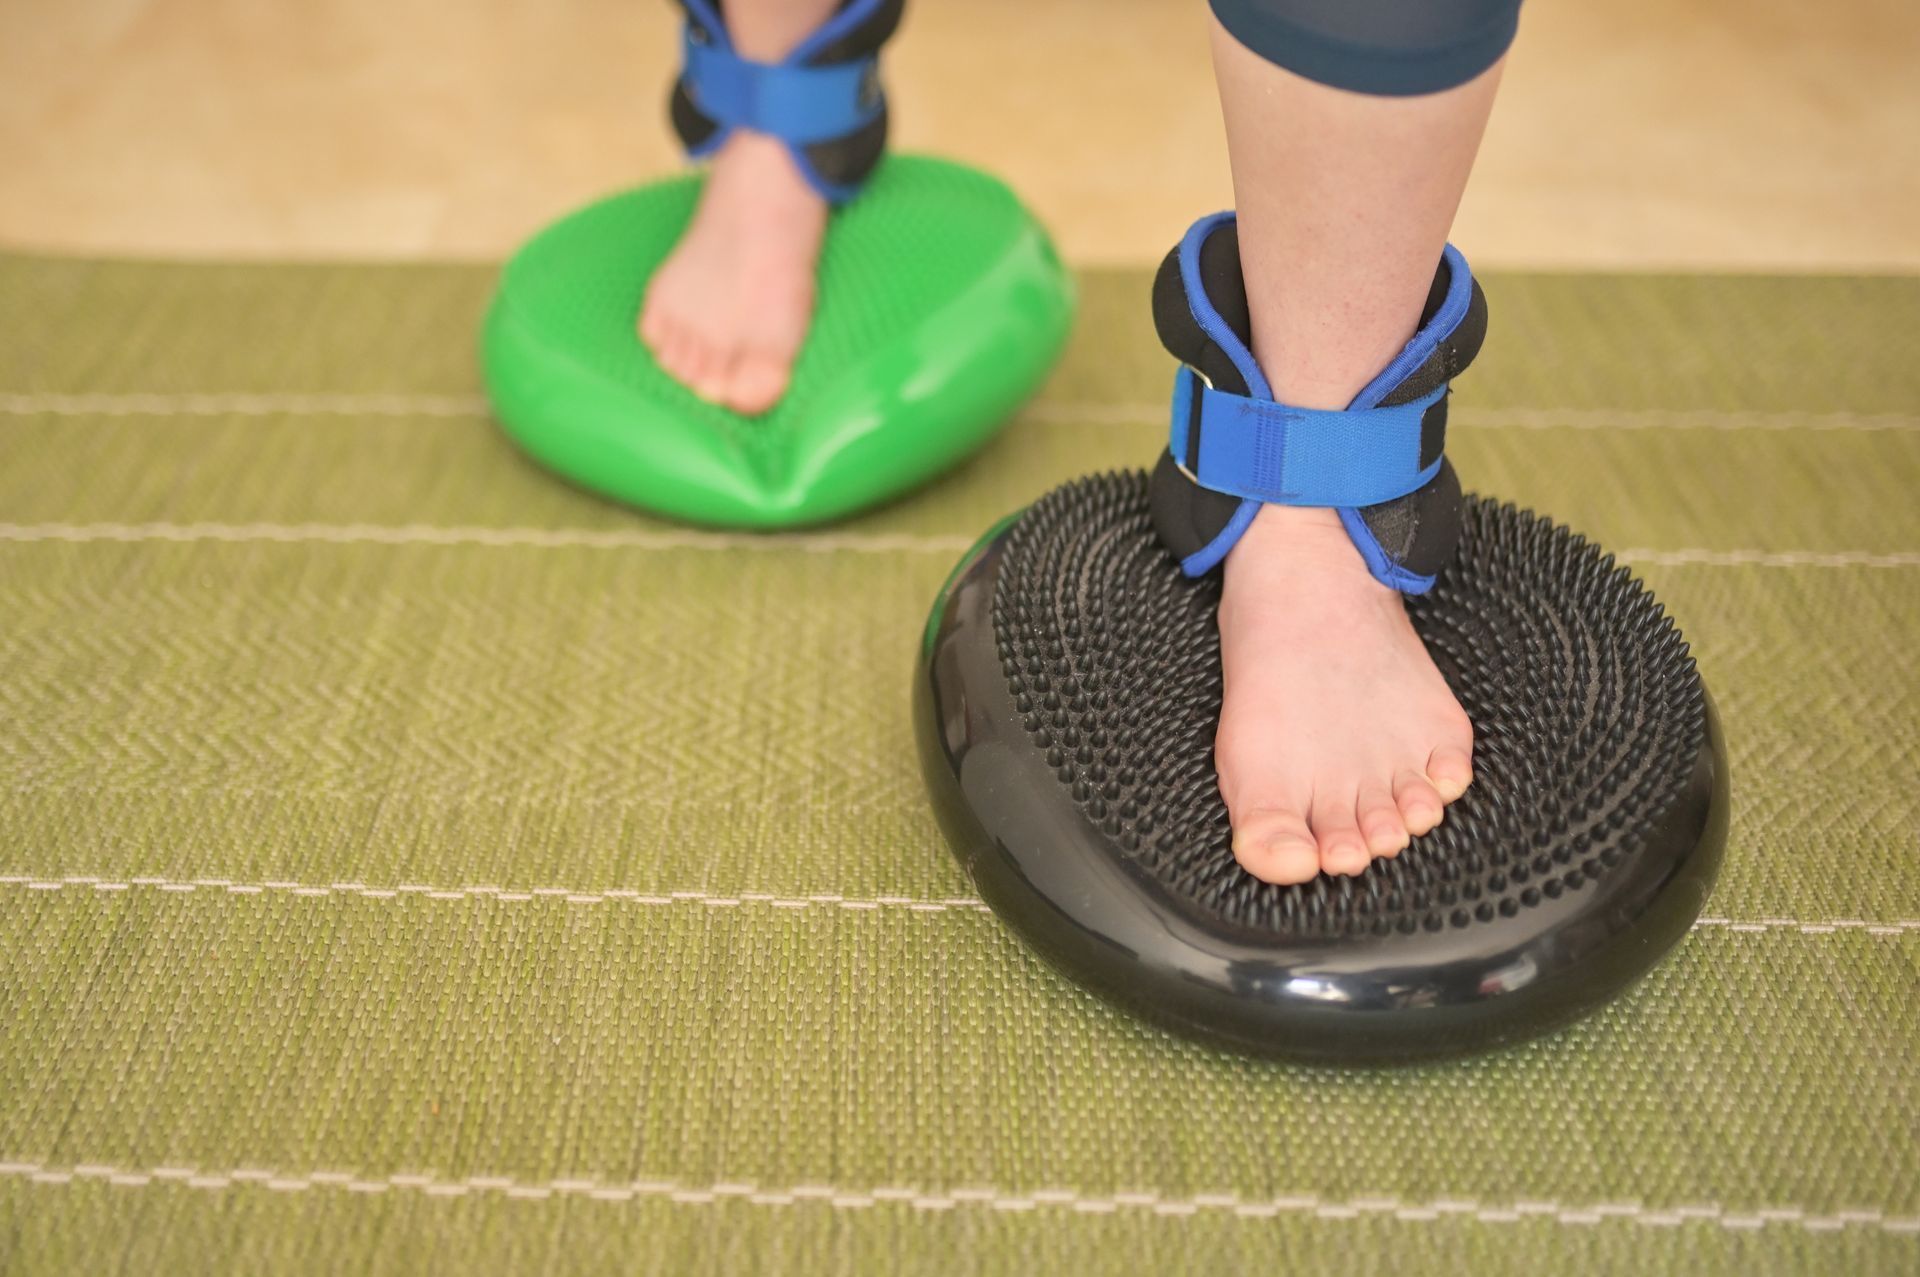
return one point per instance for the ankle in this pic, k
(754, 176)
(1302, 542)
(768, 30)
(1289, 527)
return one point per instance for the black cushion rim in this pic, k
(1068, 891)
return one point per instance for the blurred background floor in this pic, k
(1698, 134)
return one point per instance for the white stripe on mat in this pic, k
(1770, 558)
(728, 900)
(484, 891)
(1047, 412)
(532, 538)
(1307, 1204)
(809, 543)
(1720, 419)
(241, 404)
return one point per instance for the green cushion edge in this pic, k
(909, 410)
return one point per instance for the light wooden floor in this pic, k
(1771, 134)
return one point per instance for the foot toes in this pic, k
(756, 382)
(656, 333)
(1276, 846)
(1380, 821)
(703, 369)
(1342, 849)
(1450, 770)
(652, 325)
(1420, 805)
(674, 351)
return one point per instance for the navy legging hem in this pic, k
(1389, 48)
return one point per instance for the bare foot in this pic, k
(1338, 737)
(727, 311)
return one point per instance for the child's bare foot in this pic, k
(1338, 737)
(727, 311)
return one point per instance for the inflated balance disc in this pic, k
(941, 306)
(1066, 703)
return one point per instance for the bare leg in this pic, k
(727, 311)
(1338, 736)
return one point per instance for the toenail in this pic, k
(1292, 859)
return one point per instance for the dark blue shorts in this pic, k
(1386, 47)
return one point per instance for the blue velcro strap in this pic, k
(1208, 556)
(800, 105)
(1261, 451)
(1378, 561)
(1267, 451)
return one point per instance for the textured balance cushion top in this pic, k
(1068, 702)
(941, 306)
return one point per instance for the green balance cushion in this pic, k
(942, 304)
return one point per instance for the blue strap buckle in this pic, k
(798, 104)
(1265, 451)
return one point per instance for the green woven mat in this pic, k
(407, 862)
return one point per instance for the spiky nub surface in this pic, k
(1586, 706)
